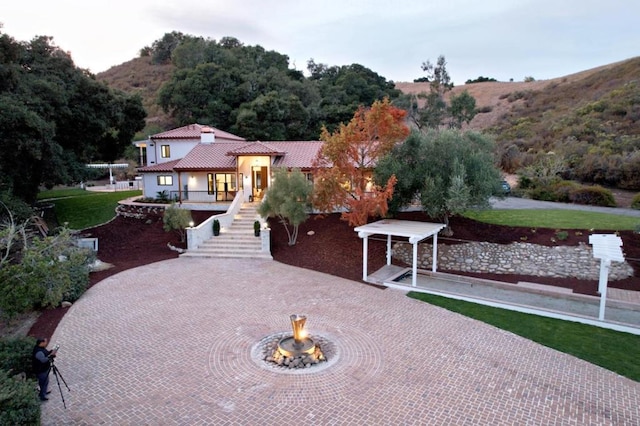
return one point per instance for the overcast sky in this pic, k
(503, 39)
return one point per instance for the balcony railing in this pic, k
(204, 196)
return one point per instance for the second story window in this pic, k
(165, 151)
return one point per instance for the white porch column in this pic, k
(434, 261)
(605, 264)
(389, 249)
(365, 253)
(414, 267)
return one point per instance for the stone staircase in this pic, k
(235, 241)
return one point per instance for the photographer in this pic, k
(40, 359)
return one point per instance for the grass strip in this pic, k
(614, 350)
(556, 219)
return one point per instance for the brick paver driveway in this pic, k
(174, 343)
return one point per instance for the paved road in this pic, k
(523, 203)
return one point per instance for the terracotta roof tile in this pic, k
(299, 154)
(193, 131)
(210, 156)
(162, 167)
(256, 148)
(222, 155)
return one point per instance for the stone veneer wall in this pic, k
(514, 258)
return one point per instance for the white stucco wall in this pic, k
(151, 187)
(178, 149)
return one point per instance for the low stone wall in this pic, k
(515, 258)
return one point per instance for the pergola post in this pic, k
(606, 247)
(434, 261)
(365, 254)
(602, 286)
(389, 249)
(414, 266)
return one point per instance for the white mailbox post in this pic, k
(606, 247)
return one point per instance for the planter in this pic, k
(256, 228)
(216, 227)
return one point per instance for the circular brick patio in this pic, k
(174, 343)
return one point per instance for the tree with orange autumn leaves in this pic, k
(343, 167)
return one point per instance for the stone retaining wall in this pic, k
(515, 258)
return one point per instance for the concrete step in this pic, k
(228, 255)
(236, 240)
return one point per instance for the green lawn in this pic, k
(556, 219)
(63, 193)
(613, 350)
(82, 209)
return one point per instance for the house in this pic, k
(203, 165)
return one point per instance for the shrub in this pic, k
(562, 235)
(593, 196)
(563, 189)
(50, 269)
(162, 196)
(176, 219)
(635, 201)
(18, 402)
(15, 355)
(78, 274)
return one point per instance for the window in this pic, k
(165, 151)
(210, 187)
(225, 186)
(165, 180)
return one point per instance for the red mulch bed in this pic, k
(334, 248)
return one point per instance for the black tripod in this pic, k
(56, 373)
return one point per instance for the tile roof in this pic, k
(222, 155)
(162, 167)
(299, 154)
(207, 156)
(193, 131)
(256, 148)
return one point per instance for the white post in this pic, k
(414, 267)
(389, 249)
(365, 255)
(434, 260)
(602, 285)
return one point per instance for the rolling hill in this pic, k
(592, 117)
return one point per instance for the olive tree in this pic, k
(447, 171)
(176, 219)
(288, 199)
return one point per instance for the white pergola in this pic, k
(109, 166)
(607, 248)
(415, 231)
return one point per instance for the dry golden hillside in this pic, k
(493, 95)
(140, 76)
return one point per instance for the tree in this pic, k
(448, 171)
(462, 109)
(344, 88)
(435, 112)
(54, 117)
(176, 219)
(42, 272)
(344, 164)
(288, 199)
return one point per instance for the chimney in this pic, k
(207, 135)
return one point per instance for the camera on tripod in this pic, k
(52, 355)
